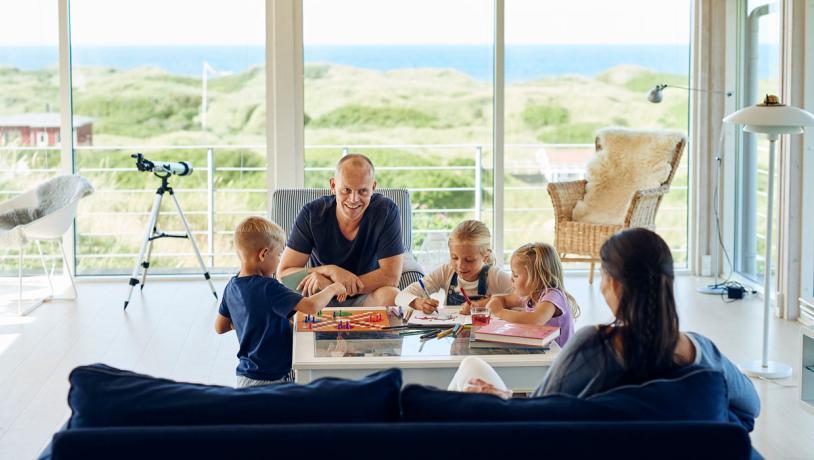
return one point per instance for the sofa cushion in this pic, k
(696, 395)
(103, 396)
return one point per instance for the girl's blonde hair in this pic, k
(474, 232)
(543, 270)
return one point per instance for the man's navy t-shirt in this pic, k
(259, 309)
(316, 232)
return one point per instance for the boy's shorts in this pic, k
(355, 301)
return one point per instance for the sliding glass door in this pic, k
(759, 75)
(410, 85)
(177, 81)
(571, 69)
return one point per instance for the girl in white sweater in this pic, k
(471, 267)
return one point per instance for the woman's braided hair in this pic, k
(646, 323)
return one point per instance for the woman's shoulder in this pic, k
(585, 338)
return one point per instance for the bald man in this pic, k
(352, 236)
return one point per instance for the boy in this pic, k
(258, 307)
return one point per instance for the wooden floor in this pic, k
(167, 331)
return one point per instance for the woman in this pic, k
(642, 343)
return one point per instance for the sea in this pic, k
(522, 62)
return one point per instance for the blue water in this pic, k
(523, 62)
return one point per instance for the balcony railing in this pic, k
(526, 197)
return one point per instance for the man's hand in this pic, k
(477, 385)
(313, 283)
(425, 305)
(351, 282)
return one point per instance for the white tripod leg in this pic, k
(146, 263)
(147, 234)
(194, 244)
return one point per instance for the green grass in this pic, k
(361, 117)
(538, 116)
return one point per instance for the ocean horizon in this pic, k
(523, 62)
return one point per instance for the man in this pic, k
(352, 236)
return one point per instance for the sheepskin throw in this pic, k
(48, 197)
(626, 160)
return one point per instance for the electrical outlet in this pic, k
(706, 265)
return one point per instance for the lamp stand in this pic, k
(716, 288)
(765, 368)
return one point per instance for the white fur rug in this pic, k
(628, 160)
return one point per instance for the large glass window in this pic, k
(177, 81)
(759, 76)
(29, 109)
(419, 104)
(571, 69)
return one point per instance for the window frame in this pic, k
(285, 96)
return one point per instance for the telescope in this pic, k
(182, 168)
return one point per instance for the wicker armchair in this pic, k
(580, 241)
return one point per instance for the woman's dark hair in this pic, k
(646, 324)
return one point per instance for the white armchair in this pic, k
(43, 213)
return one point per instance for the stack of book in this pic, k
(501, 333)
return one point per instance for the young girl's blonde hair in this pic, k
(543, 270)
(474, 232)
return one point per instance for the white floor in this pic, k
(167, 331)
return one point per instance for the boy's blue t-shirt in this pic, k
(259, 309)
(316, 232)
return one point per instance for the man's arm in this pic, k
(388, 274)
(290, 262)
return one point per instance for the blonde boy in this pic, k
(258, 307)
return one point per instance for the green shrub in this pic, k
(575, 133)
(350, 116)
(537, 116)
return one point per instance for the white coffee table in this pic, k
(356, 354)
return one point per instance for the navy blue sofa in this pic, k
(123, 415)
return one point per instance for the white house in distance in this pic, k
(42, 130)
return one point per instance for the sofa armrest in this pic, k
(564, 196)
(643, 206)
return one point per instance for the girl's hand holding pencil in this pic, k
(425, 305)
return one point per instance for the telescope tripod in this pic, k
(153, 233)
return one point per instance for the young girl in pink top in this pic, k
(539, 295)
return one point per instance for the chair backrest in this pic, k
(287, 202)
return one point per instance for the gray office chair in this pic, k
(287, 202)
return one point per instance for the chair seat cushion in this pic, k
(103, 396)
(697, 395)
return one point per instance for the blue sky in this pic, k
(241, 22)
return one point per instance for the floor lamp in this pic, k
(773, 119)
(655, 96)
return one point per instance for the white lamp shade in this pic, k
(771, 119)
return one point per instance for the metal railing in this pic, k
(522, 164)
